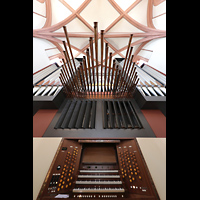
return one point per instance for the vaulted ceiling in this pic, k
(145, 19)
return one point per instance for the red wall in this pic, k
(157, 121)
(41, 121)
(43, 118)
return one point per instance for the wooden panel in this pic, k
(41, 121)
(157, 121)
(99, 154)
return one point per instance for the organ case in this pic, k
(98, 169)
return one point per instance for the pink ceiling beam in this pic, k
(150, 14)
(138, 50)
(116, 51)
(121, 12)
(46, 32)
(130, 19)
(157, 2)
(65, 21)
(48, 14)
(88, 34)
(77, 13)
(140, 41)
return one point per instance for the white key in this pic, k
(152, 91)
(98, 176)
(100, 190)
(40, 91)
(100, 182)
(158, 91)
(163, 89)
(35, 89)
(145, 89)
(46, 91)
(99, 171)
(52, 90)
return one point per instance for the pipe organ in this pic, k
(99, 116)
(98, 169)
(99, 98)
(93, 80)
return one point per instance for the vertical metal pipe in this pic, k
(68, 63)
(129, 78)
(128, 60)
(64, 77)
(64, 85)
(68, 58)
(106, 58)
(82, 76)
(85, 69)
(76, 79)
(129, 43)
(126, 74)
(110, 60)
(96, 51)
(115, 81)
(102, 31)
(92, 60)
(69, 45)
(113, 69)
(88, 61)
(79, 76)
(67, 72)
(73, 75)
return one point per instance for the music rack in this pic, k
(98, 169)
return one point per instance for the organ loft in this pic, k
(99, 120)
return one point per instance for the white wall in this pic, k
(40, 58)
(158, 57)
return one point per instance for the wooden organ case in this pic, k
(98, 169)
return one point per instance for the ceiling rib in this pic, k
(46, 32)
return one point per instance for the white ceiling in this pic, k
(105, 14)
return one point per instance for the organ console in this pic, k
(98, 169)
